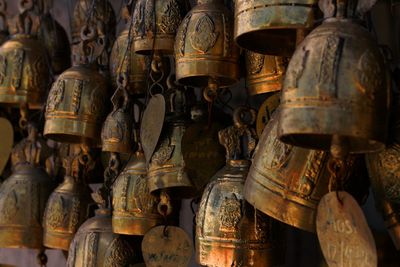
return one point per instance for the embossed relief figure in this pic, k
(229, 232)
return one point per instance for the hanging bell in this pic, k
(166, 169)
(116, 134)
(95, 244)
(264, 74)
(335, 96)
(77, 101)
(271, 27)
(205, 52)
(24, 69)
(23, 197)
(155, 24)
(134, 208)
(229, 232)
(124, 60)
(68, 206)
(287, 182)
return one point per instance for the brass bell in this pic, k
(271, 27)
(24, 69)
(23, 197)
(116, 134)
(264, 74)
(155, 24)
(335, 94)
(95, 245)
(77, 101)
(229, 232)
(287, 182)
(68, 206)
(122, 61)
(205, 52)
(134, 208)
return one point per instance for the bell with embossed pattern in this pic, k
(335, 94)
(24, 65)
(68, 206)
(134, 208)
(23, 196)
(272, 27)
(264, 74)
(77, 101)
(287, 182)
(230, 232)
(155, 24)
(205, 52)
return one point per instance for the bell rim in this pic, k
(134, 225)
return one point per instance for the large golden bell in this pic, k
(95, 245)
(287, 182)
(122, 61)
(155, 24)
(134, 208)
(76, 106)
(230, 232)
(204, 49)
(270, 26)
(335, 91)
(24, 69)
(264, 74)
(23, 197)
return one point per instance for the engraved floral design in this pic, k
(254, 62)
(230, 214)
(203, 38)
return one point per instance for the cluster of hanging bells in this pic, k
(334, 103)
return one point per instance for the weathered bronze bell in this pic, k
(23, 197)
(205, 52)
(116, 135)
(271, 26)
(287, 182)
(155, 24)
(95, 245)
(264, 74)
(24, 68)
(68, 206)
(122, 61)
(229, 232)
(335, 92)
(77, 101)
(134, 208)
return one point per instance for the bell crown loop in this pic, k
(342, 9)
(92, 44)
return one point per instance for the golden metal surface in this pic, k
(155, 24)
(277, 21)
(391, 217)
(122, 61)
(343, 232)
(167, 246)
(134, 208)
(204, 47)
(95, 245)
(265, 112)
(264, 74)
(335, 90)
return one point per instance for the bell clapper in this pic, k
(42, 258)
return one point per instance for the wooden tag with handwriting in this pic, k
(343, 232)
(167, 247)
(7, 139)
(152, 124)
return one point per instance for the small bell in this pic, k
(287, 182)
(23, 197)
(123, 60)
(155, 24)
(24, 69)
(205, 52)
(77, 101)
(271, 27)
(229, 232)
(264, 74)
(68, 206)
(116, 134)
(335, 94)
(134, 208)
